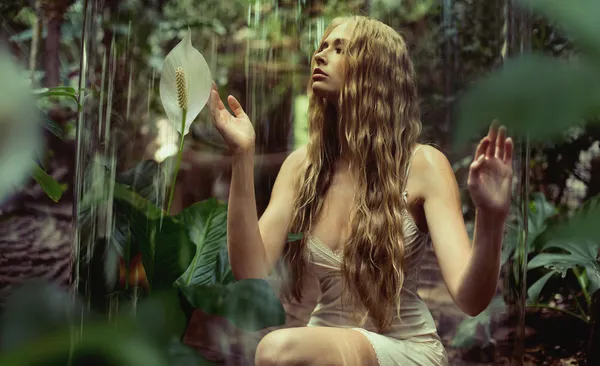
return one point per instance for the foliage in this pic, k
(187, 250)
(53, 189)
(552, 94)
(539, 97)
(45, 318)
(568, 246)
(478, 328)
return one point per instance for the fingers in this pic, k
(477, 164)
(216, 106)
(492, 135)
(508, 151)
(220, 104)
(213, 103)
(235, 106)
(481, 148)
(500, 143)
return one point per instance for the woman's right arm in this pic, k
(254, 247)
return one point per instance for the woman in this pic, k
(368, 199)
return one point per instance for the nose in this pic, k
(319, 59)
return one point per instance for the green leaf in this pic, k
(580, 253)
(182, 355)
(593, 278)
(206, 223)
(582, 225)
(249, 304)
(533, 96)
(104, 343)
(166, 248)
(579, 19)
(58, 93)
(35, 309)
(533, 292)
(294, 237)
(53, 127)
(147, 179)
(467, 330)
(53, 189)
(161, 316)
(538, 212)
(136, 202)
(223, 274)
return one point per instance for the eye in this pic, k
(338, 50)
(323, 46)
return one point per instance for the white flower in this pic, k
(185, 83)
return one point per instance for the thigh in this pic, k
(317, 346)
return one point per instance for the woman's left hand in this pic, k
(490, 174)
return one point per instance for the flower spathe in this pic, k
(184, 67)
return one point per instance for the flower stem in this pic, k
(583, 318)
(180, 153)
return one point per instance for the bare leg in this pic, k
(315, 346)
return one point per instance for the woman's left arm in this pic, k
(470, 271)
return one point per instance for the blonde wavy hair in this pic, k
(377, 121)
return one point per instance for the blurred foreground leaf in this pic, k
(578, 18)
(45, 325)
(183, 355)
(249, 304)
(34, 309)
(468, 328)
(583, 225)
(532, 95)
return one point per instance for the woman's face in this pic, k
(328, 73)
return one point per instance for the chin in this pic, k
(322, 92)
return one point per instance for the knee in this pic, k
(276, 349)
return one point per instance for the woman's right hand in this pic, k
(236, 130)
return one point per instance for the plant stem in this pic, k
(568, 312)
(180, 153)
(586, 294)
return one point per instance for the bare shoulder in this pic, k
(429, 158)
(297, 157)
(291, 168)
(431, 168)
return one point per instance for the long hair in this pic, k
(377, 123)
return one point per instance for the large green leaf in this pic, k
(182, 355)
(101, 344)
(53, 189)
(147, 179)
(533, 96)
(538, 212)
(249, 304)
(578, 18)
(206, 223)
(166, 248)
(582, 225)
(533, 292)
(582, 253)
(35, 309)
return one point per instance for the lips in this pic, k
(318, 71)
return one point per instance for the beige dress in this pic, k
(412, 338)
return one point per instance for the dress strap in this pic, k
(405, 192)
